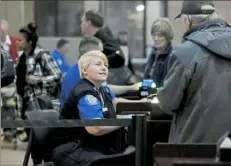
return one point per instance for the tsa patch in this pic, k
(60, 62)
(91, 100)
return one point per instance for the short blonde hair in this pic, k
(163, 26)
(86, 59)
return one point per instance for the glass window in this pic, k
(126, 16)
(44, 12)
(58, 18)
(69, 17)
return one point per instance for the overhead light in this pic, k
(140, 8)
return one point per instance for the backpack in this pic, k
(53, 92)
(7, 69)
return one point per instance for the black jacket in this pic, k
(7, 69)
(197, 88)
(111, 48)
(159, 64)
(106, 143)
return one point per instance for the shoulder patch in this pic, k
(59, 61)
(91, 100)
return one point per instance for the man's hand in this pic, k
(153, 100)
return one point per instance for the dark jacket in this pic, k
(104, 143)
(111, 48)
(197, 88)
(158, 64)
(7, 69)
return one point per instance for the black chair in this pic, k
(126, 158)
(46, 164)
(165, 154)
(38, 135)
(157, 131)
(200, 163)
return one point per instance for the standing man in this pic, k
(93, 25)
(196, 89)
(59, 55)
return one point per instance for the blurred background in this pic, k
(57, 19)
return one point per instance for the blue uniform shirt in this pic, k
(60, 60)
(71, 78)
(90, 107)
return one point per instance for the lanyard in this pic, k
(101, 97)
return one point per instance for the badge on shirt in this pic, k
(59, 61)
(91, 100)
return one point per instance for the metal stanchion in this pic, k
(140, 129)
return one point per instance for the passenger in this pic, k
(196, 89)
(72, 76)
(162, 34)
(88, 100)
(33, 79)
(59, 55)
(93, 25)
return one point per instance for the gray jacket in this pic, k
(197, 88)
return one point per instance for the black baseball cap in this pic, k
(195, 7)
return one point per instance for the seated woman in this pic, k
(162, 34)
(89, 99)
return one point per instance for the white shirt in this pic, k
(6, 45)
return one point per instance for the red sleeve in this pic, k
(13, 49)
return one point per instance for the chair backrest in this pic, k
(43, 115)
(166, 154)
(126, 158)
(40, 133)
(200, 163)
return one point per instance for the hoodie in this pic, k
(197, 87)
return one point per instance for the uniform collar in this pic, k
(89, 82)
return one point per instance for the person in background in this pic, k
(33, 78)
(162, 33)
(8, 42)
(92, 25)
(36, 74)
(72, 77)
(196, 89)
(59, 55)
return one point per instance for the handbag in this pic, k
(42, 101)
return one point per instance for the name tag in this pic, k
(105, 109)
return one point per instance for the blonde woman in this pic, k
(89, 100)
(162, 34)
